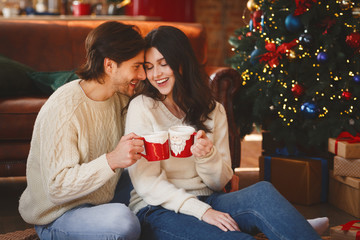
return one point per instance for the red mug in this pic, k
(80, 8)
(156, 146)
(181, 140)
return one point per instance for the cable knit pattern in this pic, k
(67, 165)
(174, 183)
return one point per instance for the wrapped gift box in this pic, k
(343, 148)
(348, 231)
(300, 181)
(344, 193)
(346, 167)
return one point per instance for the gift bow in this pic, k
(272, 57)
(346, 136)
(347, 226)
(328, 23)
(302, 6)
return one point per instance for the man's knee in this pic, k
(123, 222)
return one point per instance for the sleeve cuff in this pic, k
(194, 207)
(207, 156)
(104, 164)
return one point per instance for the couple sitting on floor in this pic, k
(90, 130)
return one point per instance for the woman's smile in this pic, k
(162, 81)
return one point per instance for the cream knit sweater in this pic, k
(174, 183)
(67, 165)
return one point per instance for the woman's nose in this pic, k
(157, 72)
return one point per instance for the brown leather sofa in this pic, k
(58, 45)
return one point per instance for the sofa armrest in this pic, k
(226, 83)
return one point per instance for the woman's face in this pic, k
(159, 73)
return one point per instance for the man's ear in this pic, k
(108, 65)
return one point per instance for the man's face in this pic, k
(126, 75)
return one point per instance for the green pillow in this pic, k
(14, 79)
(48, 82)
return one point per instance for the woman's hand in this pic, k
(202, 146)
(220, 219)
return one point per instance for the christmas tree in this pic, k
(300, 66)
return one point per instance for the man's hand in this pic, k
(220, 219)
(202, 146)
(126, 152)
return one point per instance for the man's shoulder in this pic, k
(64, 100)
(122, 99)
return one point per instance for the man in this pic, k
(78, 150)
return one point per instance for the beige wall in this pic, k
(220, 18)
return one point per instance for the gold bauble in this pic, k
(251, 5)
(291, 54)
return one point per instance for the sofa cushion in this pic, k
(17, 117)
(48, 82)
(14, 79)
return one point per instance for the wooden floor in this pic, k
(11, 189)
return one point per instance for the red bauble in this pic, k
(240, 37)
(297, 90)
(353, 40)
(346, 95)
(249, 34)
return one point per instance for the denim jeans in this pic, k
(259, 207)
(113, 220)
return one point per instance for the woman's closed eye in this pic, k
(148, 66)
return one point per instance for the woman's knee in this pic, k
(264, 186)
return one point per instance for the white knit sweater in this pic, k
(174, 183)
(67, 165)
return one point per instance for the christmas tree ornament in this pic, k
(249, 34)
(322, 57)
(327, 23)
(305, 39)
(251, 5)
(293, 23)
(257, 16)
(353, 40)
(346, 95)
(263, 23)
(297, 90)
(255, 19)
(356, 78)
(303, 6)
(291, 54)
(309, 110)
(239, 37)
(254, 56)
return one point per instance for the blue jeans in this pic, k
(113, 220)
(259, 207)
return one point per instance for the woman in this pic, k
(182, 198)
